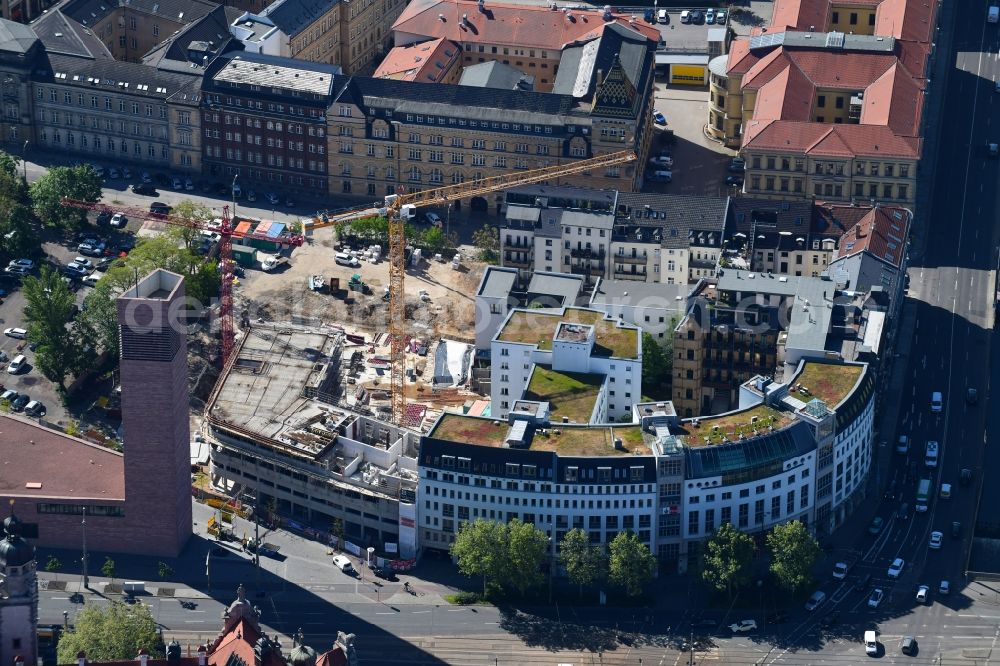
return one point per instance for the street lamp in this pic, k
(66, 620)
(24, 161)
(86, 579)
(234, 196)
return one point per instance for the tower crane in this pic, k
(225, 230)
(397, 245)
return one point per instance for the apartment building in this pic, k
(265, 120)
(819, 112)
(651, 238)
(434, 61)
(873, 252)
(585, 366)
(354, 35)
(530, 38)
(19, 48)
(797, 450)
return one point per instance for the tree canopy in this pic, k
(47, 193)
(110, 632)
(630, 564)
(657, 364)
(48, 311)
(507, 556)
(487, 241)
(585, 562)
(794, 552)
(201, 276)
(728, 558)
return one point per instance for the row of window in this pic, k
(109, 145)
(123, 106)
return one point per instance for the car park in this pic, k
(16, 271)
(743, 626)
(91, 248)
(697, 16)
(20, 402)
(659, 118)
(159, 208)
(34, 408)
(876, 525)
(875, 598)
(908, 645)
(74, 269)
(840, 570)
(922, 592)
(667, 162)
(935, 540)
(815, 600)
(17, 364)
(896, 567)
(17, 333)
(119, 221)
(661, 16)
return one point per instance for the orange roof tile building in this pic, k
(434, 61)
(827, 101)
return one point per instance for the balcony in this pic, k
(516, 261)
(631, 259)
(516, 244)
(628, 275)
(587, 253)
(585, 269)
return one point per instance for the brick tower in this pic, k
(155, 413)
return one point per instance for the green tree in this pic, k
(508, 556)
(47, 193)
(656, 368)
(794, 552)
(480, 547)
(487, 240)
(18, 238)
(108, 568)
(585, 563)
(192, 212)
(728, 558)
(201, 276)
(630, 564)
(98, 321)
(164, 570)
(48, 310)
(114, 632)
(53, 565)
(526, 546)
(435, 240)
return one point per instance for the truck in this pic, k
(407, 212)
(993, 14)
(923, 495)
(271, 262)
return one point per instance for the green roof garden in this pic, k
(730, 426)
(470, 430)
(829, 382)
(569, 394)
(538, 328)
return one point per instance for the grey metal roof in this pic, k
(111, 75)
(522, 213)
(580, 63)
(269, 72)
(629, 293)
(59, 34)
(561, 287)
(497, 282)
(494, 74)
(584, 218)
(208, 35)
(16, 37)
(684, 220)
(294, 16)
(91, 12)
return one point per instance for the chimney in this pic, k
(143, 657)
(202, 656)
(81, 658)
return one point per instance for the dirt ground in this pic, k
(284, 295)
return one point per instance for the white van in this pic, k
(344, 564)
(936, 402)
(661, 16)
(17, 364)
(871, 643)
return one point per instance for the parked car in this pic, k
(896, 567)
(126, 173)
(91, 248)
(386, 572)
(433, 219)
(737, 165)
(34, 408)
(10, 395)
(75, 270)
(289, 202)
(686, 16)
(90, 280)
(159, 208)
(922, 593)
(876, 525)
(188, 184)
(345, 259)
(840, 570)
(720, 17)
(16, 271)
(17, 364)
(944, 587)
(20, 402)
(908, 645)
(146, 178)
(743, 626)
(83, 261)
(251, 195)
(697, 16)
(662, 162)
(814, 601)
(659, 118)
(875, 598)
(177, 183)
(17, 333)
(662, 176)
(113, 173)
(709, 15)
(272, 198)
(144, 189)
(119, 221)
(734, 181)
(26, 264)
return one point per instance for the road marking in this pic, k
(419, 612)
(454, 610)
(386, 613)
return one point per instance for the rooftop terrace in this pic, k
(830, 382)
(538, 328)
(569, 394)
(564, 440)
(719, 429)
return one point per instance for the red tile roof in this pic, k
(426, 62)
(62, 466)
(895, 99)
(830, 140)
(880, 231)
(332, 657)
(841, 70)
(529, 26)
(800, 14)
(788, 96)
(740, 58)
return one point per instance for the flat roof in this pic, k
(728, 427)
(629, 293)
(537, 328)
(43, 463)
(563, 286)
(264, 387)
(830, 382)
(569, 394)
(497, 282)
(568, 441)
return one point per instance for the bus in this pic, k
(923, 495)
